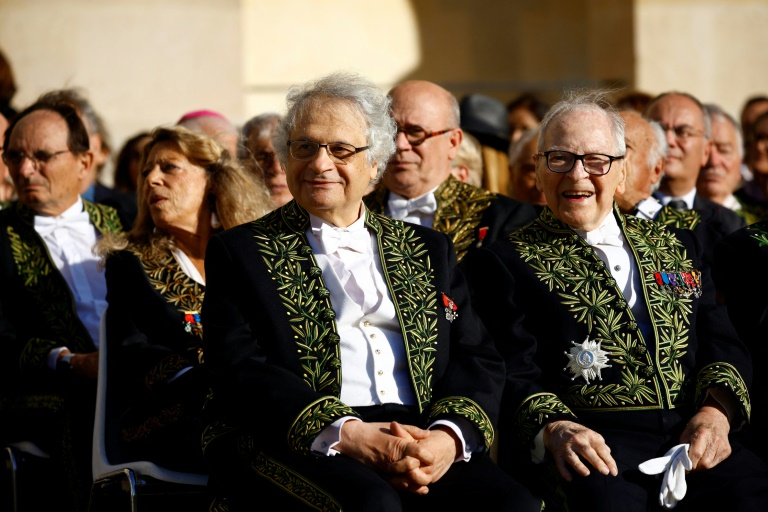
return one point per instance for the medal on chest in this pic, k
(451, 309)
(586, 359)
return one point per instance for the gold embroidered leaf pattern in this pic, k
(313, 419)
(725, 376)
(469, 410)
(284, 250)
(177, 288)
(285, 478)
(408, 271)
(48, 287)
(534, 412)
(563, 261)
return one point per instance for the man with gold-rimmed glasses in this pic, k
(52, 294)
(418, 186)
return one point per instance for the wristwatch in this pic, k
(64, 364)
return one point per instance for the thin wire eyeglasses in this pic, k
(338, 152)
(39, 157)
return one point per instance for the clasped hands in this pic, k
(411, 458)
(572, 444)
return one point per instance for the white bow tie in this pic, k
(607, 234)
(78, 223)
(401, 207)
(332, 239)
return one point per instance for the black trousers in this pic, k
(254, 475)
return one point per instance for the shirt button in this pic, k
(380, 372)
(382, 392)
(367, 323)
(378, 352)
(617, 268)
(373, 336)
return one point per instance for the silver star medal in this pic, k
(586, 360)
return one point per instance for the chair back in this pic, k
(106, 456)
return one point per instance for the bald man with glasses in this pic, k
(418, 186)
(52, 295)
(687, 126)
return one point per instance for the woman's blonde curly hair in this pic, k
(236, 196)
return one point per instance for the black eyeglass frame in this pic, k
(577, 158)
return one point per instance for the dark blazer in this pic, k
(543, 291)
(272, 347)
(715, 223)
(471, 216)
(37, 313)
(35, 298)
(125, 204)
(154, 331)
(741, 259)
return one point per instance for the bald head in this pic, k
(423, 160)
(216, 127)
(645, 160)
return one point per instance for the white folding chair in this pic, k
(111, 476)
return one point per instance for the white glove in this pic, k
(674, 464)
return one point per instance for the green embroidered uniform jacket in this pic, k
(37, 309)
(544, 289)
(271, 341)
(471, 216)
(154, 332)
(741, 278)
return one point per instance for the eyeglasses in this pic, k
(40, 157)
(683, 132)
(563, 161)
(337, 151)
(416, 135)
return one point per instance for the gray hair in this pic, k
(658, 150)
(263, 125)
(516, 148)
(587, 101)
(715, 111)
(364, 96)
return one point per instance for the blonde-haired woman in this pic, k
(189, 188)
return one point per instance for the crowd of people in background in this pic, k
(395, 300)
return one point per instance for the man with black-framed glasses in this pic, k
(616, 349)
(52, 295)
(418, 186)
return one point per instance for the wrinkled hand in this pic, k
(569, 442)
(377, 446)
(444, 445)
(86, 365)
(707, 433)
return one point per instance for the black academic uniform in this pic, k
(154, 333)
(471, 216)
(543, 293)
(273, 352)
(742, 281)
(37, 313)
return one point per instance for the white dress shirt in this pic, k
(374, 365)
(418, 210)
(687, 198)
(70, 238)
